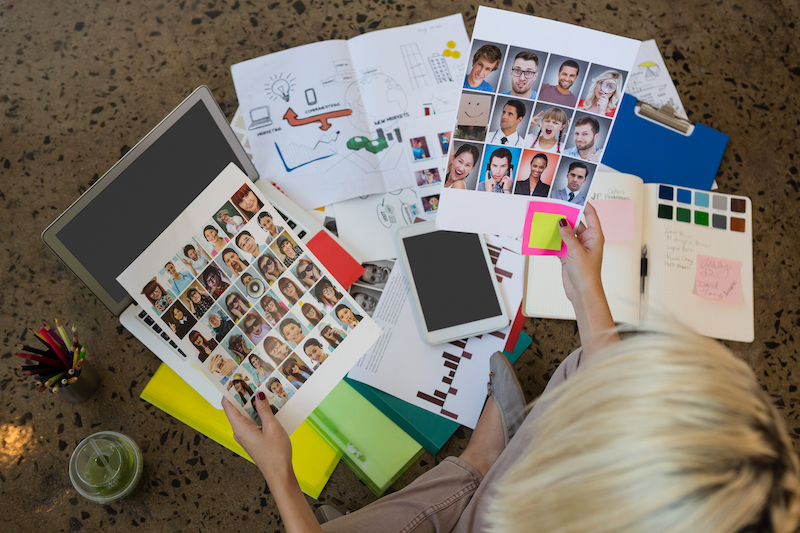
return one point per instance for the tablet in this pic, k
(453, 282)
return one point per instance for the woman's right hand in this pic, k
(268, 445)
(580, 269)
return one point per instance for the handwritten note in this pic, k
(718, 279)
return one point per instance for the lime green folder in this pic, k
(313, 459)
(373, 446)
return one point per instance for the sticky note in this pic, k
(616, 219)
(544, 231)
(718, 279)
(540, 235)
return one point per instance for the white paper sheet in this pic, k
(368, 224)
(228, 295)
(322, 118)
(447, 379)
(650, 80)
(597, 58)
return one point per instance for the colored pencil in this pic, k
(39, 368)
(31, 349)
(45, 360)
(55, 344)
(54, 379)
(62, 333)
(56, 338)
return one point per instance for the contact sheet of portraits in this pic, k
(253, 309)
(536, 110)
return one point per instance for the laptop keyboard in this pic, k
(147, 319)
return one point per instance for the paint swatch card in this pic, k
(253, 308)
(538, 104)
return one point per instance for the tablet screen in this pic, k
(452, 278)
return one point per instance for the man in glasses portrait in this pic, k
(524, 71)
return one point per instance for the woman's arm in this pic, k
(270, 448)
(580, 272)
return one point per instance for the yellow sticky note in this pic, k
(544, 231)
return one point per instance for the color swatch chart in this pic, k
(720, 211)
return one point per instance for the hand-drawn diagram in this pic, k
(295, 155)
(291, 117)
(651, 70)
(415, 65)
(280, 86)
(259, 118)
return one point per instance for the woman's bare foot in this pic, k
(487, 441)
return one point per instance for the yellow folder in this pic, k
(313, 459)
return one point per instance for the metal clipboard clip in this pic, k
(665, 116)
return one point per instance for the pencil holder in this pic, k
(83, 388)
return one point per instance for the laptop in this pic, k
(114, 221)
(259, 118)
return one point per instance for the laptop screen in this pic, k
(138, 203)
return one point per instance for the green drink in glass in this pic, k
(106, 467)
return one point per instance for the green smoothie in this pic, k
(106, 466)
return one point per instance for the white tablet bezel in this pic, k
(462, 331)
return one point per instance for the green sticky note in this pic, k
(544, 231)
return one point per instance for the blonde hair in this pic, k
(557, 114)
(613, 100)
(664, 432)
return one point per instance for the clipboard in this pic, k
(660, 147)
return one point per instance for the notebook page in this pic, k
(544, 291)
(676, 231)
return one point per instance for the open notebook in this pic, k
(700, 258)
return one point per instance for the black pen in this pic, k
(643, 274)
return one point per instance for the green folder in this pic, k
(428, 429)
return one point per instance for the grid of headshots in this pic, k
(532, 123)
(367, 289)
(259, 311)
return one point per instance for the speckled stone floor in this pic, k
(82, 81)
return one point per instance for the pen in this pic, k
(643, 274)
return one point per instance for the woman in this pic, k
(261, 367)
(273, 309)
(255, 328)
(347, 316)
(215, 281)
(247, 202)
(307, 272)
(333, 336)
(314, 350)
(290, 290)
(179, 322)
(203, 345)
(663, 432)
(270, 267)
(296, 373)
(604, 94)
(327, 294)
(463, 162)
(212, 235)
(160, 297)
(292, 331)
(276, 349)
(198, 302)
(238, 348)
(534, 180)
(311, 313)
(243, 390)
(267, 224)
(237, 305)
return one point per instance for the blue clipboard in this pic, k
(658, 153)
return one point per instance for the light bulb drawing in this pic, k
(280, 86)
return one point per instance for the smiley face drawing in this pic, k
(474, 109)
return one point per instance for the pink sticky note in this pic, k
(538, 206)
(718, 279)
(616, 219)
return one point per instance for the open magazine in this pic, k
(251, 306)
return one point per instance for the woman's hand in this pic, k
(602, 103)
(269, 446)
(580, 273)
(580, 269)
